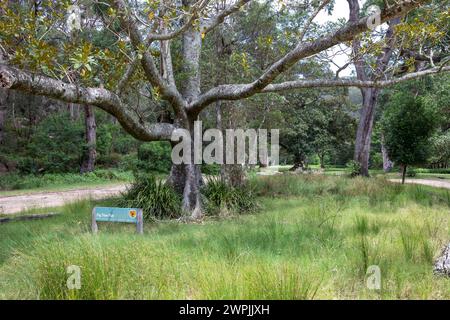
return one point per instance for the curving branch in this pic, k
(168, 91)
(301, 51)
(302, 84)
(196, 8)
(13, 78)
(209, 25)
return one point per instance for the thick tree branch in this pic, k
(168, 92)
(194, 14)
(301, 51)
(13, 78)
(209, 25)
(321, 83)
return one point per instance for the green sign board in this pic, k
(125, 215)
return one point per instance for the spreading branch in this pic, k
(168, 91)
(302, 84)
(13, 78)
(301, 51)
(209, 25)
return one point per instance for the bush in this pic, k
(55, 147)
(353, 168)
(154, 157)
(157, 199)
(221, 198)
(210, 169)
(411, 172)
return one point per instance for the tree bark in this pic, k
(322, 160)
(387, 163)
(403, 173)
(300, 162)
(364, 132)
(3, 97)
(90, 154)
(370, 95)
(187, 180)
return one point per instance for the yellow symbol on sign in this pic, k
(133, 214)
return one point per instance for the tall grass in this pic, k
(314, 241)
(157, 199)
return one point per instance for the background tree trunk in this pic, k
(403, 173)
(370, 95)
(300, 163)
(90, 154)
(387, 163)
(322, 160)
(3, 97)
(364, 132)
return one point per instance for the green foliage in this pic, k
(210, 169)
(155, 197)
(53, 146)
(353, 168)
(411, 172)
(154, 157)
(433, 171)
(221, 198)
(376, 160)
(440, 149)
(14, 181)
(408, 124)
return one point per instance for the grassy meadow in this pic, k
(313, 237)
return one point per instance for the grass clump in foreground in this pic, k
(314, 238)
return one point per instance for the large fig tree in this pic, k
(45, 55)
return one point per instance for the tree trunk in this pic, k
(370, 95)
(187, 180)
(299, 163)
(90, 154)
(3, 97)
(74, 111)
(403, 173)
(365, 126)
(322, 161)
(387, 163)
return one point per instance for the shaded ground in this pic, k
(425, 182)
(19, 203)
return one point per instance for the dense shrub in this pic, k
(210, 169)
(411, 172)
(353, 168)
(220, 198)
(157, 199)
(154, 157)
(56, 146)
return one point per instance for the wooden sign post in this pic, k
(125, 215)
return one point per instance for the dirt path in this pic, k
(425, 182)
(18, 203)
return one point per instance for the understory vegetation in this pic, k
(14, 181)
(160, 201)
(314, 237)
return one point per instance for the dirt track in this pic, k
(14, 204)
(425, 182)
